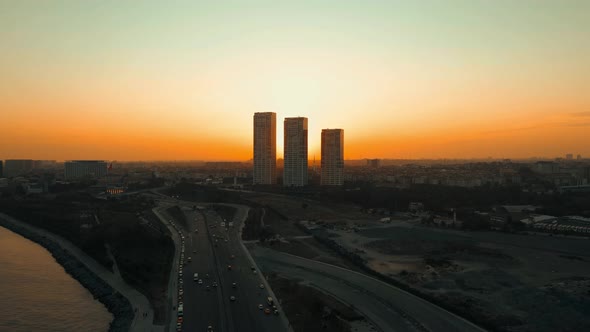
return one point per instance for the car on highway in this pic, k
(229, 267)
(200, 282)
(260, 306)
(232, 256)
(276, 312)
(180, 319)
(189, 259)
(261, 286)
(209, 328)
(234, 285)
(232, 298)
(267, 311)
(207, 287)
(215, 284)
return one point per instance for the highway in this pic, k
(386, 306)
(211, 250)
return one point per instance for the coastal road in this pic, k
(388, 307)
(212, 249)
(202, 306)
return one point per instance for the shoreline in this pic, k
(118, 305)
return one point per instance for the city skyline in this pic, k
(178, 81)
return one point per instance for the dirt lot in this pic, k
(311, 249)
(513, 282)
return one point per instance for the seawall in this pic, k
(115, 303)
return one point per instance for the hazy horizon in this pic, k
(317, 160)
(181, 80)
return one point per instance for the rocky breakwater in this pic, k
(115, 303)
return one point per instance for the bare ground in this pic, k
(509, 285)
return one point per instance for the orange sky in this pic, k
(182, 82)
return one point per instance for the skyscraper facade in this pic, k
(332, 157)
(295, 151)
(265, 148)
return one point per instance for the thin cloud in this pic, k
(581, 124)
(580, 114)
(499, 131)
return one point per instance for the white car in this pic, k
(261, 286)
(260, 306)
(200, 282)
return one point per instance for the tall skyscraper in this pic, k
(332, 157)
(295, 167)
(265, 148)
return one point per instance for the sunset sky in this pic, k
(154, 80)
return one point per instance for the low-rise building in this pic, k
(79, 169)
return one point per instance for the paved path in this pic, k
(138, 301)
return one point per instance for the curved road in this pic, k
(388, 307)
